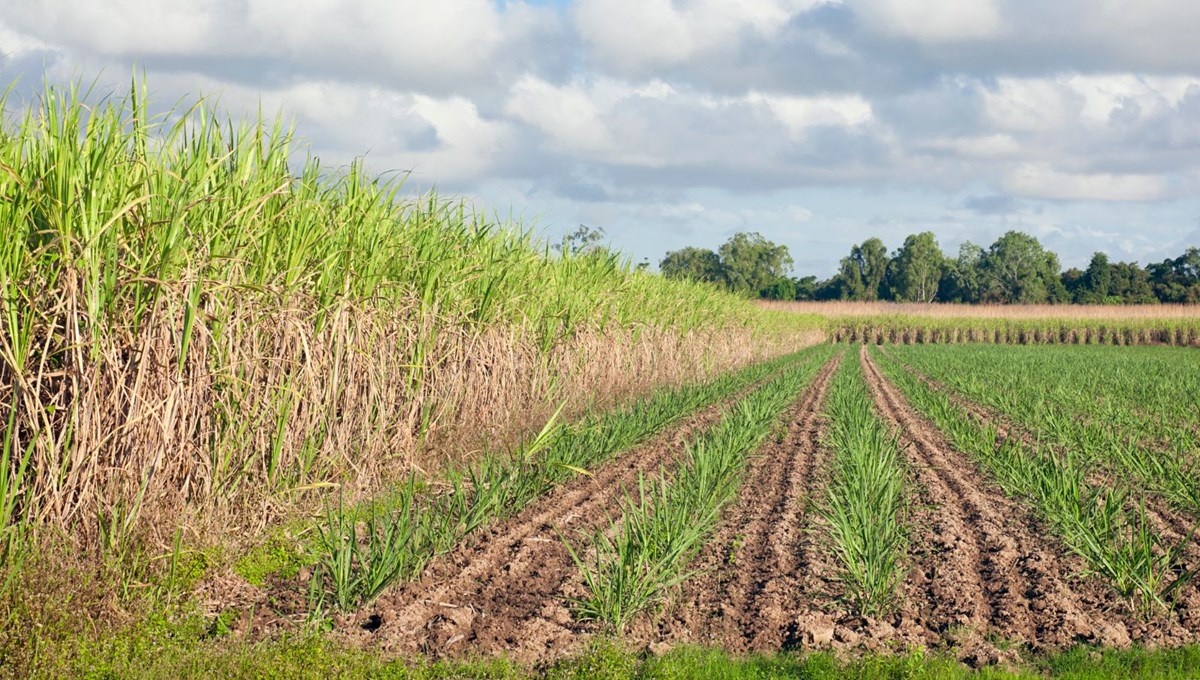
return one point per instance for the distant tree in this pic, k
(863, 272)
(582, 240)
(916, 270)
(1130, 285)
(806, 288)
(696, 264)
(1097, 281)
(962, 280)
(782, 288)
(1177, 280)
(750, 262)
(1073, 281)
(832, 288)
(1015, 269)
(1018, 270)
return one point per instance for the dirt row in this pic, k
(984, 574)
(765, 561)
(1183, 625)
(507, 590)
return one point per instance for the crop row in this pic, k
(1106, 526)
(630, 565)
(1133, 413)
(865, 496)
(362, 550)
(914, 330)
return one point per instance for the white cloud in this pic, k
(621, 122)
(125, 26)
(1042, 181)
(650, 33)
(799, 114)
(434, 45)
(1032, 104)
(933, 21)
(571, 117)
(451, 38)
(993, 146)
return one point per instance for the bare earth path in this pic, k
(754, 575)
(982, 564)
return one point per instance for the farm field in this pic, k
(263, 420)
(868, 521)
(861, 501)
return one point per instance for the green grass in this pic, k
(153, 656)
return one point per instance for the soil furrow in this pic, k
(503, 591)
(748, 589)
(1171, 524)
(986, 544)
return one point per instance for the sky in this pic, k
(669, 123)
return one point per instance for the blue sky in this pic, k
(669, 123)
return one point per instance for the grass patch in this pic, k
(314, 657)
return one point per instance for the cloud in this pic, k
(678, 117)
(670, 136)
(440, 46)
(1041, 181)
(633, 35)
(933, 20)
(991, 205)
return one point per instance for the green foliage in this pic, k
(863, 272)
(865, 496)
(1017, 269)
(693, 264)
(277, 555)
(751, 263)
(746, 264)
(915, 272)
(1177, 280)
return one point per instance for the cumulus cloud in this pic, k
(933, 20)
(639, 34)
(439, 46)
(666, 112)
(1043, 181)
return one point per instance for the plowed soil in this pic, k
(506, 591)
(985, 578)
(1183, 626)
(765, 562)
(983, 567)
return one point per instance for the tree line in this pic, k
(1015, 269)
